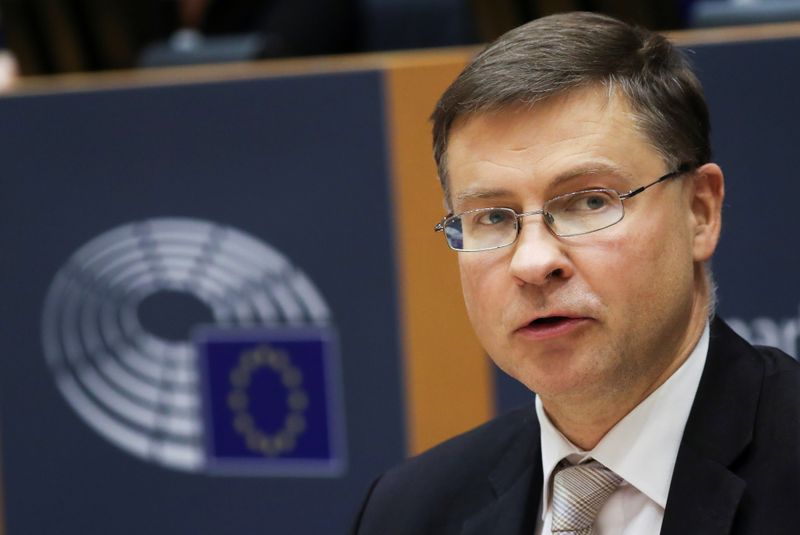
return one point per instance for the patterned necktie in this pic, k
(579, 492)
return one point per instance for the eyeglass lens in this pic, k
(566, 215)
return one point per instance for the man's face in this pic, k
(602, 315)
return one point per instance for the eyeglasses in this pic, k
(571, 214)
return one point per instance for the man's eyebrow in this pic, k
(488, 193)
(590, 169)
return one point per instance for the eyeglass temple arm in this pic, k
(632, 193)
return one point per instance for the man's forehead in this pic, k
(590, 115)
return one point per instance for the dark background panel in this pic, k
(752, 92)
(299, 163)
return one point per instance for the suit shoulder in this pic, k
(780, 398)
(486, 440)
(447, 481)
(778, 362)
(771, 361)
(779, 373)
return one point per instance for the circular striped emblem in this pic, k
(133, 385)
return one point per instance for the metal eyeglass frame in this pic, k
(682, 169)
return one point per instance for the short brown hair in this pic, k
(555, 54)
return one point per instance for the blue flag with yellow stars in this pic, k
(271, 400)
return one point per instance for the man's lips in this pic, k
(551, 326)
(550, 318)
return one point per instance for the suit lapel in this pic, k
(705, 493)
(703, 497)
(516, 483)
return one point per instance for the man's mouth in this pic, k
(548, 320)
(551, 326)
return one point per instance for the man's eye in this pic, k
(595, 202)
(494, 217)
(588, 202)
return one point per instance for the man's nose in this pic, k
(539, 255)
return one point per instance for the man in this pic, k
(574, 155)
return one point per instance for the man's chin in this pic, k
(558, 384)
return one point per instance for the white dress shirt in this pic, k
(641, 448)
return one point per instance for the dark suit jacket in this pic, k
(737, 471)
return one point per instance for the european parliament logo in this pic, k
(254, 391)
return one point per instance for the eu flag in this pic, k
(271, 400)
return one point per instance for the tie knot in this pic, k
(579, 492)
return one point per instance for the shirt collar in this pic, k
(643, 446)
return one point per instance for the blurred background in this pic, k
(57, 36)
(187, 182)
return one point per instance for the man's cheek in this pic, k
(475, 275)
(482, 297)
(476, 300)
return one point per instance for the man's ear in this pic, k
(708, 192)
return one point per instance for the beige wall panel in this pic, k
(448, 382)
